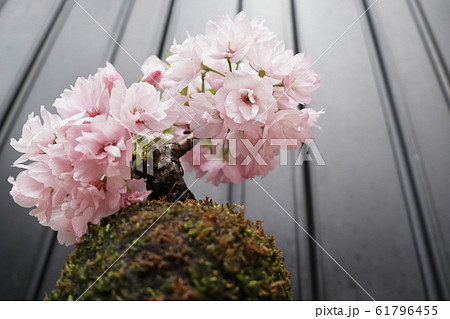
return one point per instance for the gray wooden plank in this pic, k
(18, 277)
(2, 3)
(432, 46)
(191, 16)
(309, 274)
(148, 17)
(277, 16)
(23, 24)
(279, 183)
(426, 137)
(79, 47)
(436, 13)
(359, 210)
(124, 34)
(54, 266)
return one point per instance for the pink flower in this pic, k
(83, 203)
(153, 70)
(60, 165)
(302, 81)
(104, 150)
(180, 105)
(233, 87)
(260, 32)
(254, 169)
(242, 143)
(271, 60)
(88, 95)
(231, 39)
(82, 176)
(311, 116)
(139, 108)
(36, 136)
(34, 187)
(214, 80)
(222, 172)
(63, 225)
(136, 193)
(108, 75)
(284, 102)
(216, 167)
(227, 39)
(248, 149)
(185, 62)
(241, 159)
(247, 101)
(208, 123)
(289, 128)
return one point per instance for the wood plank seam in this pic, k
(2, 3)
(119, 29)
(111, 53)
(13, 104)
(432, 48)
(20, 94)
(115, 57)
(312, 255)
(232, 187)
(161, 52)
(425, 243)
(41, 265)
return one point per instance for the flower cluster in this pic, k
(243, 89)
(234, 87)
(77, 164)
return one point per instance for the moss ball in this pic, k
(182, 251)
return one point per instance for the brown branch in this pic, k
(166, 180)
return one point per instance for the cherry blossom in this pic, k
(208, 122)
(36, 135)
(247, 98)
(185, 62)
(88, 95)
(136, 193)
(108, 75)
(140, 107)
(153, 69)
(302, 81)
(234, 88)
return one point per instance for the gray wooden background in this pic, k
(380, 205)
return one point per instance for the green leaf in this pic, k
(184, 91)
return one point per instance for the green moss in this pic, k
(196, 251)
